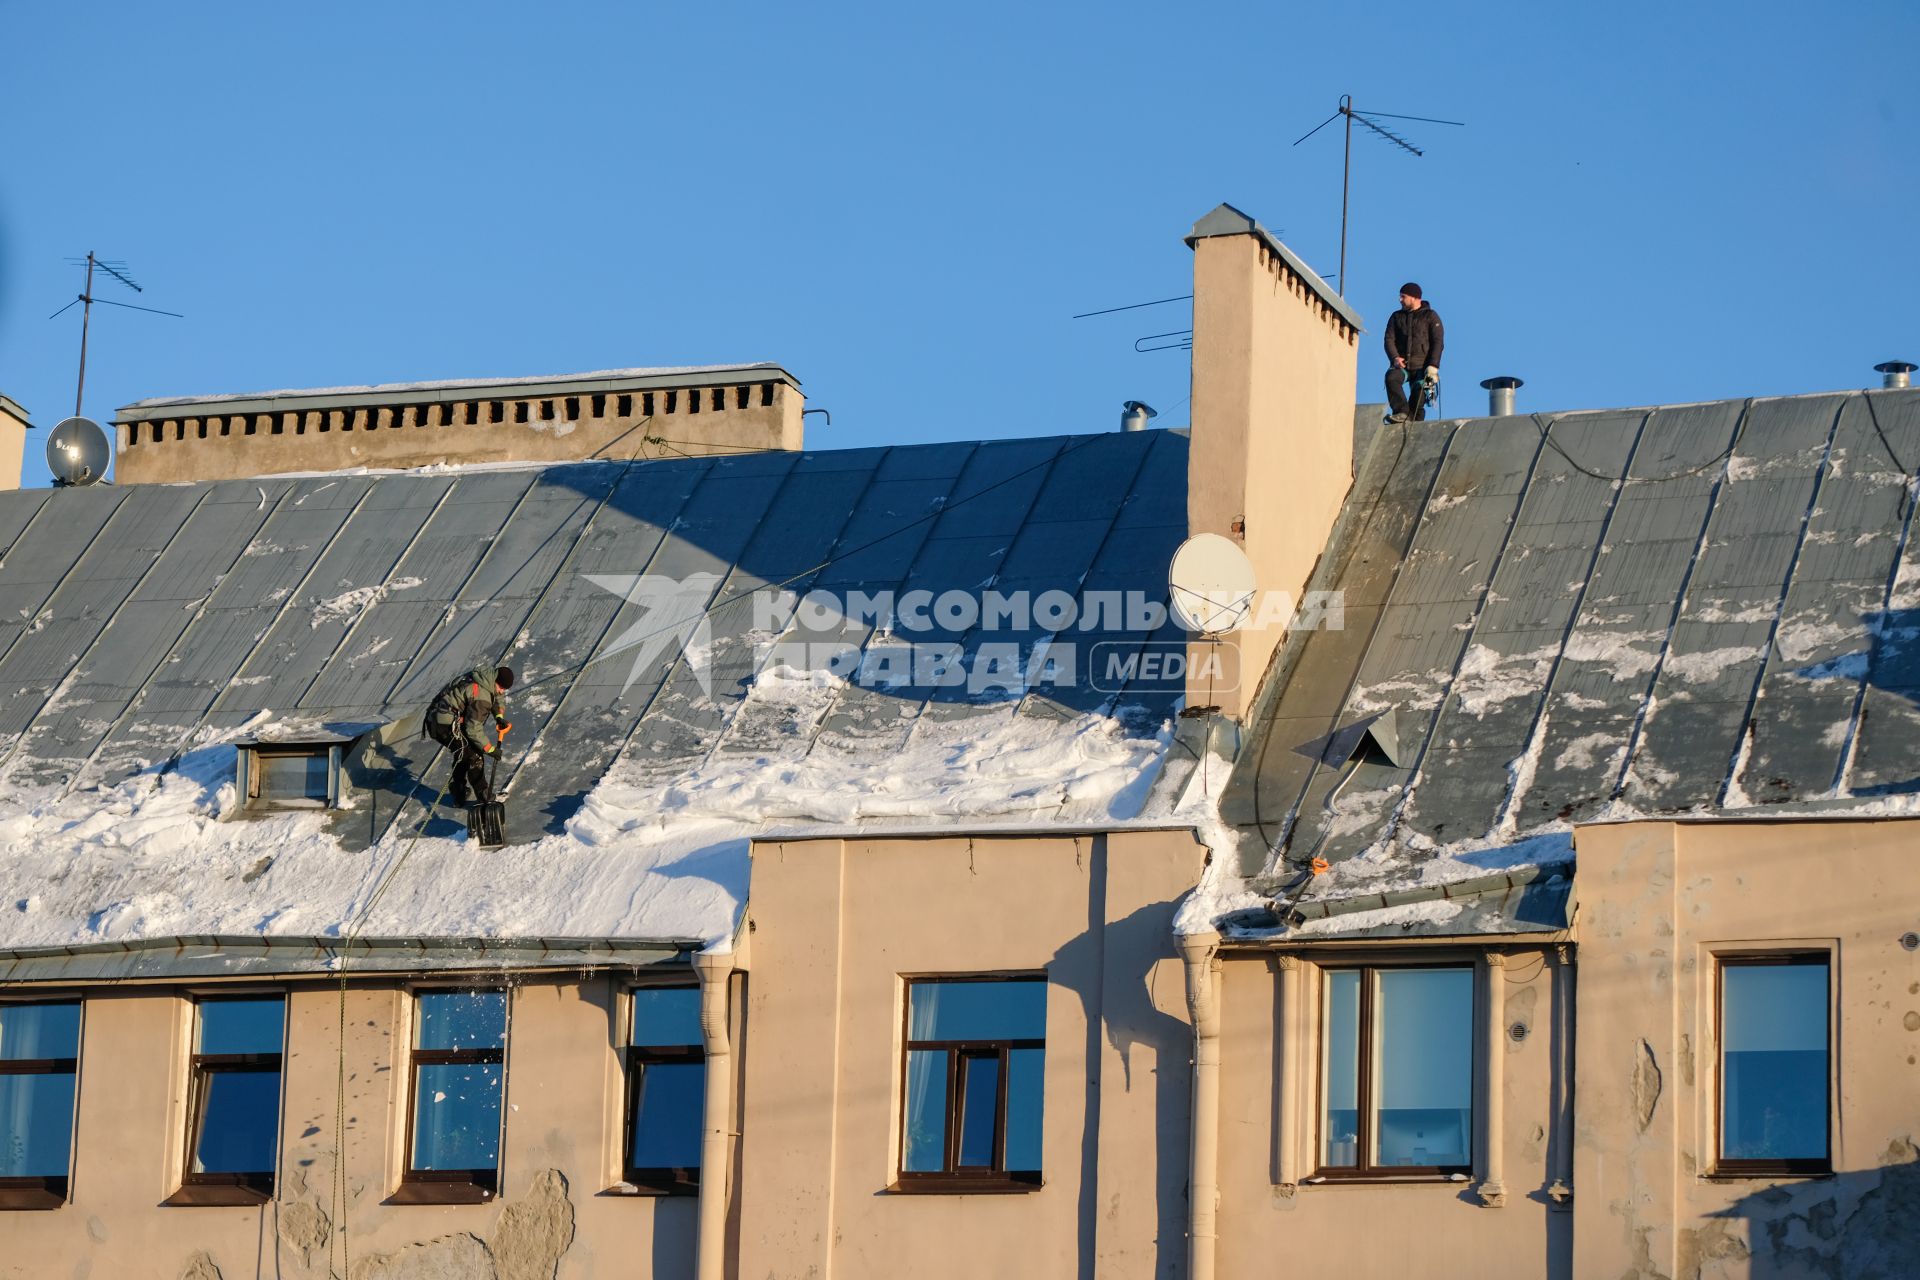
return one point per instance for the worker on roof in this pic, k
(1415, 338)
(469, 718)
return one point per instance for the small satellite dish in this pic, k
(77, 452)
(1211, 585)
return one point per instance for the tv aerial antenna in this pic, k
(1368, 120)
(118, 270)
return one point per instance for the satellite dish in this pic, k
(77, 452)
(1211, 585)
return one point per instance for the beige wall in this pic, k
(1273, 370)
(212, 442)
(835, 925)
(1657, 903)
(1269, 1131)
(564, 1096)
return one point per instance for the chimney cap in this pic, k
(1501, 383)
(1896, 366)
(1225, 220)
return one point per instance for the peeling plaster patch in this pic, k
(1646, 1086)
(1686, 1059)
(456, 1257)
(1871, 1240)
(305, 1227)
(201, 1266)
(533, 1233)
(1715, 1242)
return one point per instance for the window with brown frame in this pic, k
(454, 1104)
(39, 1065)
(233, 1115)
(666, 1089)
(1396, 1072)
(1774, 1076)
(973, 1083)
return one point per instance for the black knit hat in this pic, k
(504, 677)
(1412, 290)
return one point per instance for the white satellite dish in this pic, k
(1210, 585)
(77, 452)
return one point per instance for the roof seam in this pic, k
(73, 669)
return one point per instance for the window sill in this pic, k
(1766, 1175)
(650, 1191)
(1387, 1180)
(962, 1187)
(441, 1193)
(32, 1193)
(212, 1193)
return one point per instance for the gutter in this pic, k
(716, 1164)
(1203, 1157)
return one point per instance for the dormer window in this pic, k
(290, 775)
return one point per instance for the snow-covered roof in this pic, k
(1692, 609)
(672, 702)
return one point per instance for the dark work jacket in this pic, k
(1418, 336)
(473, 705)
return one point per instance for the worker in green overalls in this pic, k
(469, 718)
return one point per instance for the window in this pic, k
(290, 776)
(39, 1062)
(1774, 1040)
(1396, 1072)
(233, 1125)
(976, 1053)
(666, 1089)
(459, 1055)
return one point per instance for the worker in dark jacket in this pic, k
(469, 718)
(1415, 338)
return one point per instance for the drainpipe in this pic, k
(716, 1164)
(1203, 1163)
(1493, 1186)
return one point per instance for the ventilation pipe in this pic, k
(1500, 396)
(1134, 415)
(1899, 374)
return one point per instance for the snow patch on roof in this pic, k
(453, 384)
(163, 854)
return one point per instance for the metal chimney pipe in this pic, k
(1899, 374)
(1134, 415)
(1500, 395)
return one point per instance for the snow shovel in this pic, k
(487, 819)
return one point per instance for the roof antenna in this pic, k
(118, 270)
(1371, 120)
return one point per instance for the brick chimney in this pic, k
(619, 413)
(13, 441)
(1271, 458)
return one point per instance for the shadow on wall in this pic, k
(1862, 1225)
(1124, 953)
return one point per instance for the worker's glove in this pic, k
(1433, 373)
(486, 748)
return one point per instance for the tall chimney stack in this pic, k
(1899, 374)
(13, 441)
(1271, 458)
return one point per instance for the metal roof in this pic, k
(557, 384)
(1678, 610)
(135, 620)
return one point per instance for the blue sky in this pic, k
(905, 203)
